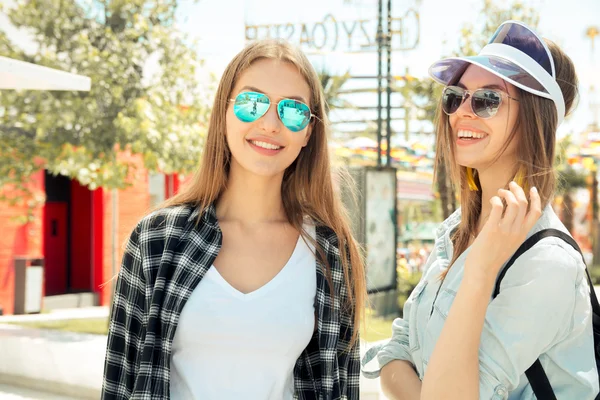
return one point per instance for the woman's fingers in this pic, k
(519, 194)
(535, 208)
(512, 210)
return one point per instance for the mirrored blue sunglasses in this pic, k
(250, 106)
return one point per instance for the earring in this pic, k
(471, 180)
(520, 179)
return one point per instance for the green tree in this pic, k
(475, 35)
(157, 112)
(569, 180)
(423, 95)
(332, 89)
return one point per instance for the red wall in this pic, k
(132, 204)
(92, 227)
(56, 244)
(18, 239)
(172, 183)
(98, 239)
(81, 238)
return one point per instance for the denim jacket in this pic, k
(543, 310)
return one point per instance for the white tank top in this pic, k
(230, 345)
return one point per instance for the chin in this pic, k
(267, 174)
(267, 171)
(474, 161)
(468, 163)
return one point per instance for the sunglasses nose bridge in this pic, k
(467, 101)
(270, 120)
(279, 109)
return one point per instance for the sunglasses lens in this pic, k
(452, 98)
(486, 103)
(250, 106)
(294, 114)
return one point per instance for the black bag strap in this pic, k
(535, 374)
(539, 382)
(530, 242)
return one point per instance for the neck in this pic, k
(251, 199)
(491, 179)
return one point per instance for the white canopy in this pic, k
(20, 75)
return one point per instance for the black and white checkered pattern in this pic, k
(166, 257)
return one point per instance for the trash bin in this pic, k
(29, 285)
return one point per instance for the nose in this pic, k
(465, 110)
(270, 122)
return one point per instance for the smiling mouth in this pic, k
(265, 145)
(470, 135)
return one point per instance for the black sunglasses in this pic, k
(485, 103)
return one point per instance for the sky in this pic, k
(219, 28)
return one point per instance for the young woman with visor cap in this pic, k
(471, 329)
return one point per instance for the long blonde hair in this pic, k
(537, 121)
(307, 188)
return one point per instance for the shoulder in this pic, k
(449, 224)
(551, 259)
(555, 250)
(326, 235)
(330, 242)
(168, 221)
(328, 246)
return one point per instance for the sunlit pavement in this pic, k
(17, 393)
(56, 347)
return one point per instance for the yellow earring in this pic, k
(520, 179)
(471, 180)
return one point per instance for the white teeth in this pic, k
(265, 145)
(469, 134)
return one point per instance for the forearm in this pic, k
(453, 370)
(399, 381)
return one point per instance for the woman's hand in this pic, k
(503, 232)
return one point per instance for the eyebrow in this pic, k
(491, 86)
(254, 89)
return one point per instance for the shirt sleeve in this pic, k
(352, 371)
(398, 347)
(532, 312)
(125, 333)
(348, 351)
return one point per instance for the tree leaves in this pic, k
(157, 111)
(332, 89)
(474, 36)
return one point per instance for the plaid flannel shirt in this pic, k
(166, 257)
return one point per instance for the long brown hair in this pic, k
(537, 122)
(307, 187)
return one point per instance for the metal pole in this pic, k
(388, 119)
(379, 78)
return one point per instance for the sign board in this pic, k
(373, 221)
(333, 35)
